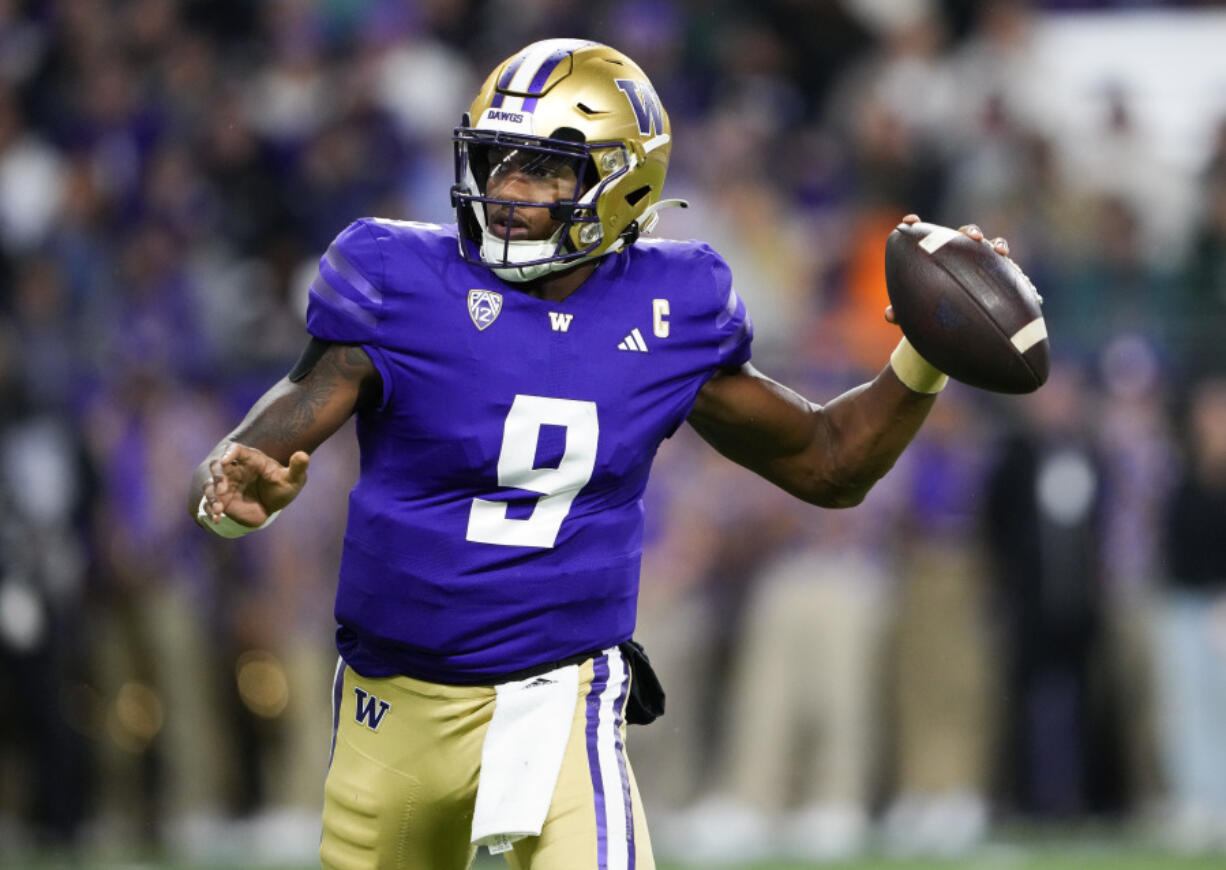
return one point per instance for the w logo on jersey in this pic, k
(484, 307)
(560, 322)
(646, 105)
(369, 709)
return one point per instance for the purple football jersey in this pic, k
(498, 520)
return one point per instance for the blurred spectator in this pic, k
(288, 99)
(45, 490)
(1108, 287)
(894, 107)
(51, 368)
(1192, 647)
(152, 318)
(240, 167)
(1204, 276)
(1044, 524)
(22, 43)
(942, 664)
(1103, 168)
(998, 72)
(31, 180)
(166, 757)
(1140, 463)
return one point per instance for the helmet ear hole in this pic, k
(637, 194)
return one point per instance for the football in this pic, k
(968, 310)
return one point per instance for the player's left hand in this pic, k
(999, 244)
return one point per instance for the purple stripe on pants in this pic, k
(338, 686)
(621, 768)
(600, 681)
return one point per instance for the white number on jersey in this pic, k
(488, 522)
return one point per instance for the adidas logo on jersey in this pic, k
(633, 341)
(559, 321)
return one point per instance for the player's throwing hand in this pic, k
(249, 486)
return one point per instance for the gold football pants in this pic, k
(402, 783)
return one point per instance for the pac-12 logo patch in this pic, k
(484, 307)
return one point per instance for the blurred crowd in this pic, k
(1026, 620)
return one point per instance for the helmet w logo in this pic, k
(646, 105)
(369, 709)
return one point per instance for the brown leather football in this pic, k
(968, 310)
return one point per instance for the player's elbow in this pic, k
(844, 471)
(843, 484)
(826, 487)
(837, 496)
(849, 498)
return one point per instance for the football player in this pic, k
(512, 376)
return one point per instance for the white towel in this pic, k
(522, 757)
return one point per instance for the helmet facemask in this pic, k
(480, 154)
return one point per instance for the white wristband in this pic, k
(914, 371)
(227, 526)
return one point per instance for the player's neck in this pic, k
(558, 285)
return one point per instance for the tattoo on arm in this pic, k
(343, 374)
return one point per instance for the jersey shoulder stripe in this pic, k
(350, 278)
(345, 302)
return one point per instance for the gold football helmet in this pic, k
(564, 102)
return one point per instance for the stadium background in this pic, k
(1018, 638)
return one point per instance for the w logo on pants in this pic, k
(370, 709)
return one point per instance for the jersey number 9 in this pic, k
(488, 522)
